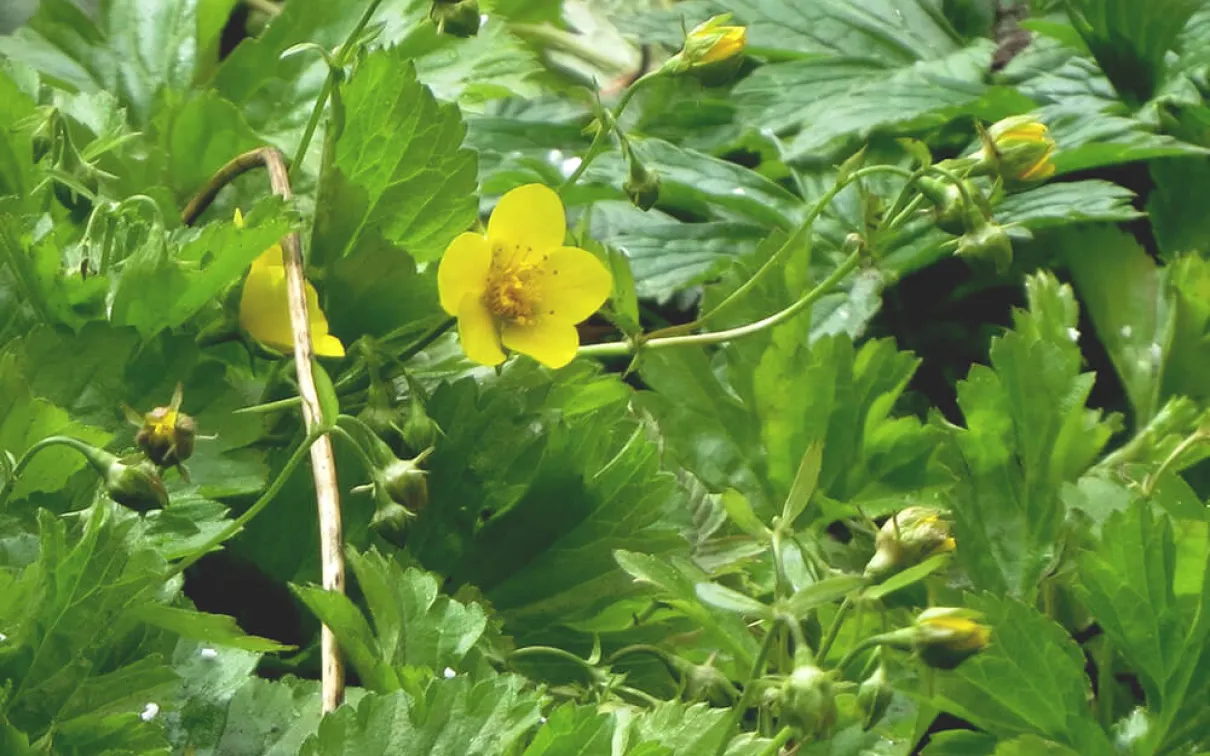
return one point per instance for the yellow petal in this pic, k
(463, 270)
(477, 330)
(551, 342)
(528, 221)
(264, 312)
(239, 218)
(574, 286)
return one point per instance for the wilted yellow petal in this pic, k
(528, 222)
(463, 270)
(575, 285)
(549, 341)
(478, 333)
(264, 309)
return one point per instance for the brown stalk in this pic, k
(323, 462)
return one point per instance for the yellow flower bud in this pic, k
(907, 539)
(712, 51)
(1018, 149)
(944, 637)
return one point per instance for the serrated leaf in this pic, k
(803, 487)
(398, 168)
(1129, 582)
(199, 136)
(454, 717)
(164, 283)
(1027, 432)
(1030, 680)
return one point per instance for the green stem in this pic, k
(745, 698)
(338, 63)
(834, 629)
(950, 176)
(615, 348)
(852, 653)
(362, 454)
(780, 739)
(593, 673)
(566, 42)
(238, 523)
(608, 123)
(816, 210)
(85, 449)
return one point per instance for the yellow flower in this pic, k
(1018, 149)
(518, 287)
(946, 636)
(264, 307)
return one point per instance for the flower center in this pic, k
(512, 290)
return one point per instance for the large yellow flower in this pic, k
(518, 287)
(264, 306)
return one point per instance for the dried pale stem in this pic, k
(323, 462)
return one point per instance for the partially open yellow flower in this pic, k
(264, 306)
(1018, 149)
(725, 42)
(518, 287)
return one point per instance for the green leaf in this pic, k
(1067, 203)
(451, 717)
(731, 600)
(32, 267)
(200, 626)
(803, 487)
(164, 284)
(823, 592)
(398, 168)
(71, 656)
(26, 420)
(141, 49)
(378, 290)
(910, 576)
(413, 624)
(1089, 135)
(1130, 584)
(1127, 299)
(199, 136)
(1030, 680)
(329, 402)
(1177, 222)
(1129, 40)
(1027, 432)
(573, 729)
(265, 718)
(529, 501)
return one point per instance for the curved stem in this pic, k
(615, 348)
(558, 653)
(238, 523)
(778, 256)
(745, 698)
(11, 481)
(950, 176)
(852, 653)
(362, 454)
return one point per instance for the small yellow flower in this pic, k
(264, 306)
(1018, 149)
(712, 51)
(946, 636)
(518, 287)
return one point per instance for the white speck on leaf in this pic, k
(149, 712)
(1126, 331)
(208, 653)
(569, 166)
(1073, 334)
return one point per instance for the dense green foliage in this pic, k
(643, 554)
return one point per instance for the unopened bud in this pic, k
(137, 486)
(406, 484)
(419, 430)
(950, 210)
(987, 243)
(874, 697)
(808, 703)
(459, 18)
(391, 522)
(642, 186)
(944, 637)
(907, 539)
(712, 52)
(1017, 149)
